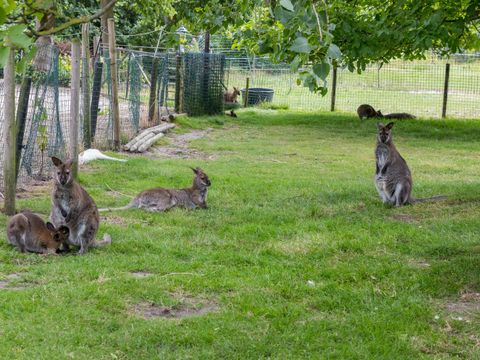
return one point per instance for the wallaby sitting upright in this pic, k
(393, 179)
(365, 111)
(230, 96)
(73, 207)
(28, 232)
(160, 199)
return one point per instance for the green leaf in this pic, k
(16, 36)
(286, 4)
(4, 51)
(333, 52)
(300, 45)
(3, 15)
(321, 70)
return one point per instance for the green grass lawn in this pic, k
(296, 257)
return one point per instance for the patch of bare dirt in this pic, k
(151, 310)
(140, 274)
(34, 188)
(179, 146)
(467, 304)
(421, 264)
(6, 283)
(113, 219)
(406, 218)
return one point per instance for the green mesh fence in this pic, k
(203, 83)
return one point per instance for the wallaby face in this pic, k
(63, 173)
(28, 232)
(385, 132)
(160, 199)
(365, 111)
(201, 180)
(72, 206)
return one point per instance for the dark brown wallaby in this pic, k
(365, 111)
(161, 199)
(73, 207)
(28, 232)
(393, 179)
(230, 96)
(231, 113)
(399, 116)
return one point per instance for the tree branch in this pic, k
(76, 21)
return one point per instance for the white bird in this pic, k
(94, 154)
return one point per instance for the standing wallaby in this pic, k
(230, 96)
(28, 232)
(160, 199)
(399, 116)
(365, 111)
(393, 179)
(73, 207)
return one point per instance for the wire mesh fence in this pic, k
(400, 86)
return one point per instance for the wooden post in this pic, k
(87, 127)
(113, 72)
(207, 42)
(22, 111)
(9, 134)
(334, 87)
(152, 101)
(96, 89)
(246, 93)
(75, 105)
(445, 90)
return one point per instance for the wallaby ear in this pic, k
(69, 163)
(389, 125)
(56, 161)
(234, 88)
(50, 226)
(380, 125)
(194, 170)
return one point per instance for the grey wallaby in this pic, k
(365, 111)
(73, 207)
(28, 232)
(230, 96)
(393, 179)
(399, 116)
(160, 199)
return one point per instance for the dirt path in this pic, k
(179, 146)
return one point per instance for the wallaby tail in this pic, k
(107, 240)
(432, 198)
(126, 207)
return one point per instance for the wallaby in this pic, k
(28, 232)
(365, 111)
(73, 207)
(230, 96)
(231, 113)
(160, 199)
(393, 179)
(399, 116)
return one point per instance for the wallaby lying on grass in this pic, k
(399, 116)
(160, 199)
(230, 96)
(365, 111)
(73, 207)
(28, 232)
(393, 179)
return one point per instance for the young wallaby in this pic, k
(393, 179)
(73, 207)
(365, 111)
(399, 116)
(28, 232)
(230, 96)
(160, 199)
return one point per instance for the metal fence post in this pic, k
(334, 87)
